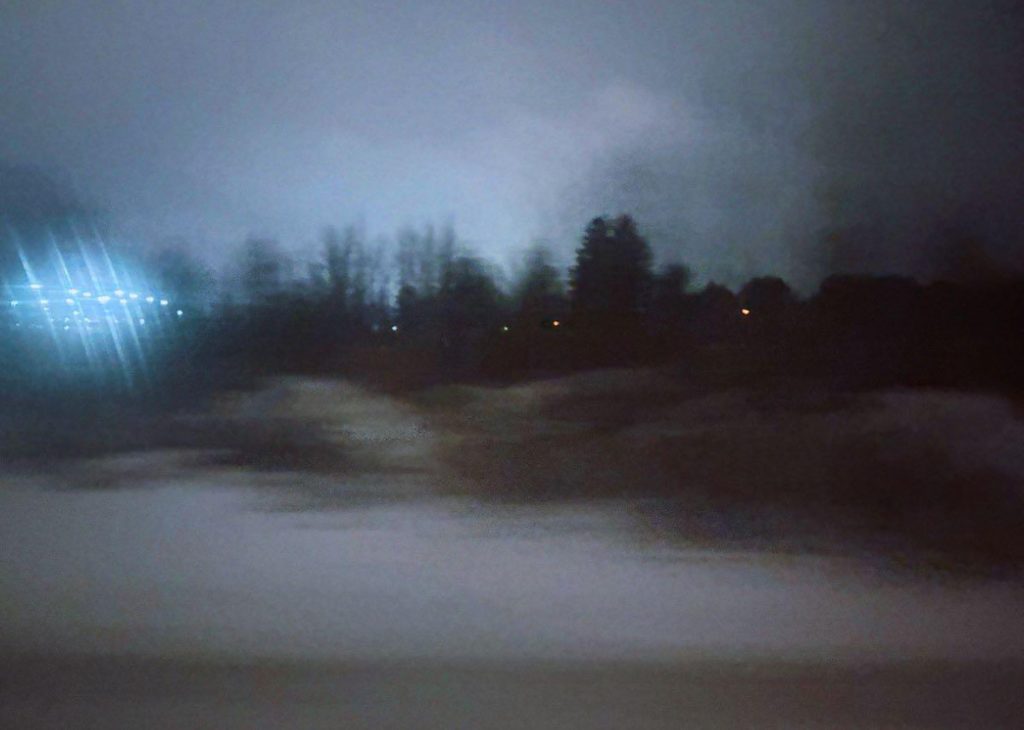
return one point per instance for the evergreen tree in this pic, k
(612, 274)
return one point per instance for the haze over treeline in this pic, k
(793, 137)
(424, 305)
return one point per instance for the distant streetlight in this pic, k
(555, 323)
(745, 312)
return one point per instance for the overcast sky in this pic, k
(735, 131)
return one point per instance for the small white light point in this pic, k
(181, 313)
(394, 328)
(164, 302)
(745, 312)
(35, 286)
(150, 300)
(70, 302)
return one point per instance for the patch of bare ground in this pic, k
(321, 428)
(914, 475)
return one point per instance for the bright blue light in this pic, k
(73, 297)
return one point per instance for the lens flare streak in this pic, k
(86, 314)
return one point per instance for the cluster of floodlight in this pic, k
(83, 309)
(75, 296)
(89, 309)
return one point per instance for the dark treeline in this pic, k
(429, 310)
(423, 308)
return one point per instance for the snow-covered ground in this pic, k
(229, 567)
(202, 568)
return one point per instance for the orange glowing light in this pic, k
(555, 323)
(744, 311)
